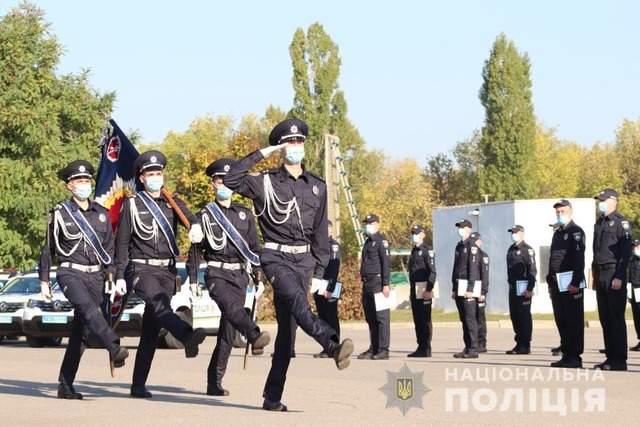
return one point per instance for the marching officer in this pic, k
(521, 276)
(465, 253)
(611, 251)
(292, 214)
(230, 243)
(326, 305)
(80, 237)
(146, 252)
(634, 279)
(374, 271)
(422, 277)
(566, 262)
(481, 273)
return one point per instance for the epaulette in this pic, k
(316, 176)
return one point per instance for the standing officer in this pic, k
(466, 253)
(146, 252)
(231, 242)
(422, 274)
(292, 214)
(481, 273)
(80, 237)
(567, 257)
(521, 276)
(634, 279)
(611, 251)
(326, 306)
(374, 271)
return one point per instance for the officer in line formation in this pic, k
(230, 244)
(80, 238)
(482, 271)
(634, 292)
(374, 272)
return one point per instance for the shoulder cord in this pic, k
(271, 199)
(216, 243)
(58, 224)
(142, 230)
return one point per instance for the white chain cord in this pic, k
(142, 231)
(58, 224)
(271, 200)
(216, 243)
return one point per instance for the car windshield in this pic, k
(26, 285)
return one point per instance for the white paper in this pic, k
(462, 288)
(385, 303)
(421, 288)
(319, 286)
(564, 280)
(248, 299)
(629, 291)
(521, 286)
(636, 294)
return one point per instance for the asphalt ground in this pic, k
(495, 390)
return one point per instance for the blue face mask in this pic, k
(369, 230)
(415, 239)
(223, 193)
(602, 207)
(82, 191)
(294, 153)
(514, 238)
(636, 252)
(563, 219)
(461, 232)
(154, 183)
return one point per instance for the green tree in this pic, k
(627, 147)
(509, 129)
(46, 120)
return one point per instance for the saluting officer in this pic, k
(521, 276)
(611, 251)
(231, 242)
(80, 237)
(374, 271)
(422, 277)
(566, 261)
(326, 305)
(467, 305)
(481, 273)
(146, 252)
(634, 279)
(292, 214)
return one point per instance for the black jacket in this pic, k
(375, 259)
(422, 267)
(521, 264)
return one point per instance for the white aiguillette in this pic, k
(462, 288)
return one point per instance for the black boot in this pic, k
(268, 405)
(192, 341)
(117, 355)
(216, 390)
(381, 355)
(420, 353)
(141, 392)
(67, 392)
(341, 352)
(366, 355)
(261, 342)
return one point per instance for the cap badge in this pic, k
(226, 168)
(82, 168)
(293, 129)
(153, 159)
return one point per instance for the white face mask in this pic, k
(154, 183)
(415, 239)
(82, 191)
(294, 153)
(636, 252)
(369, 229)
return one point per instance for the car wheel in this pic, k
(239, 341)
(168, 340)
(36, 342)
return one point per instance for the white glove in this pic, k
(45, 291)
(121, 287)
(195, 233)
(196, 291)
(260, 290)
(268, 151)
(319, 286)
(110, 289)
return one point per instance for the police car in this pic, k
(200, 311)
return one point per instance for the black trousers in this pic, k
(85, 292)
(611, 307)
(422, 322)
(379, 322)
(467, 311)
(290, 274)
(156, 286)
(228, 290)
(520, 313)
(328, 311)
(482, 324)
(635, 309)
(569, 309)
(554, 295)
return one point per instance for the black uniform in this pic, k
(482, 268)
(227, 283)
(422, 268)
(295, 251)
(521, 265)
(567, 254)
(466, 258)
(155, 284)
(85, 290)
(328, 310)
(611, 251)
(374, 271)
(634, 279)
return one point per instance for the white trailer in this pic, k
(492, 220)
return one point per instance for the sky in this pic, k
(411, 71)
